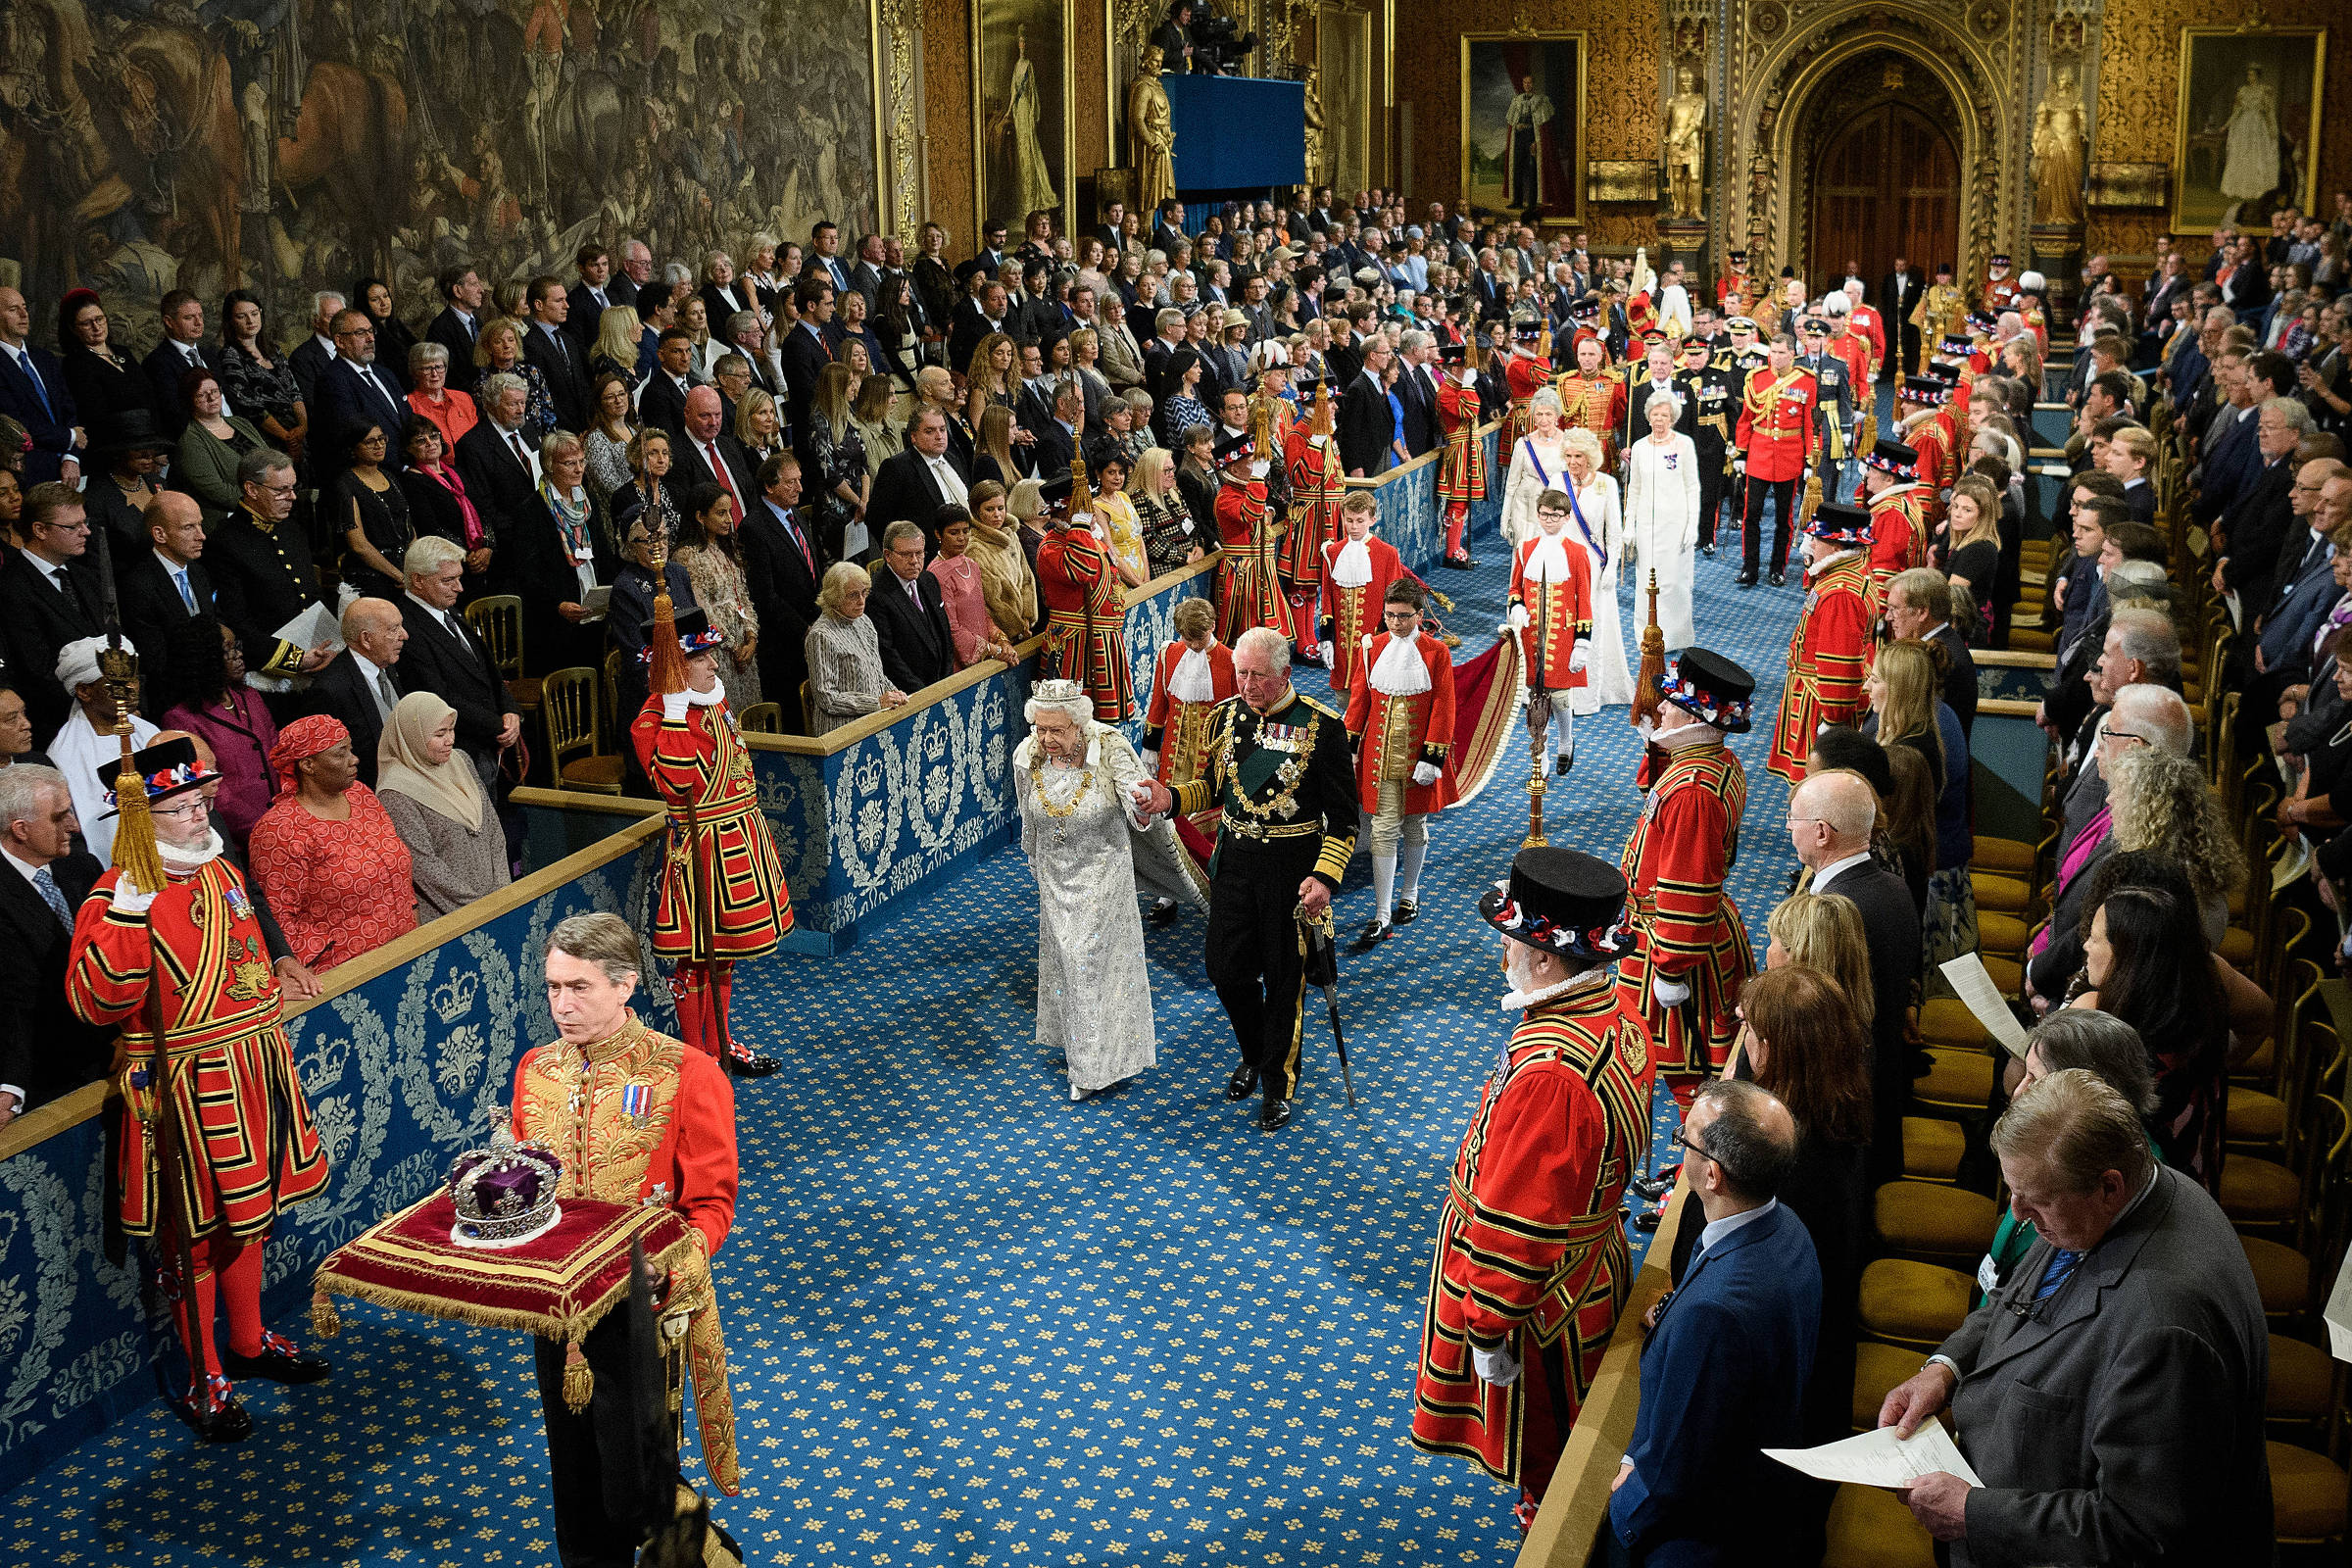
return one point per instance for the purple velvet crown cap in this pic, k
(504, 1194)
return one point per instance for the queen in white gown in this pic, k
(1538, 463)
(1661, 519)
(1597, 524)
(1075, 780)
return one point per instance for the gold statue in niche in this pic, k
(2058, 146)
(1686, 144)
(1151, 129)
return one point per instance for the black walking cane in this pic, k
(1321, 956)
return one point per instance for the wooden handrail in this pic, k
(83, 1104)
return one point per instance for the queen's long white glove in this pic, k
(1425, 774)
(1331, 655)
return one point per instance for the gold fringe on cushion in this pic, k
(579, 1380)
(325, 1321)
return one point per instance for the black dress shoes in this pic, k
(215, 1414)
(1162, 912)
(1274, 1116)
(1707, 550)
(1779, 580)
(1561, 764)
(280, 1363)
(1648, 1219)
(1746, 579)
(1375, 933)
(1656, 1187)
(749, 1063)
(1405, 912)
(1243, 1081)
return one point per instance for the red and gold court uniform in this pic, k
(1898, 534)
(1462, 462)
(1551, 579)
(1318, 481)
(1179, 726)
(1531, 1249)
(1523, 375)
(722, 896)
(1829, 653)
(1594, 403)
(1682, 848)
(1356, 574)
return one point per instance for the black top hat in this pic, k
(169, 767)
(1839, 523)
(1562, 900)
(1230, 449)
(127, 430)
(1710, 686)
(1925, 392)
(1893, 457)
(1455, 354)
(1585, 309)
(696, 635)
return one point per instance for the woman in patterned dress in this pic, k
(714, 560)
(326, 855)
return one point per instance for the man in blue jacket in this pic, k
(1724, 1372)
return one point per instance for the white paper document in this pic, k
(1984, 999)
(595, 600)
(2339, 1313)
(1881, 1459)
(315, 625)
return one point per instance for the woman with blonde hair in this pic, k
(1973, 553)
(869, 415)
(2160, 802)
(839, 483)
(1171, 539)
(1007, 584)
(2132, 457)
(992, 378)
(2022, 358)
(759, 427)
(992, 446)
(1905, 689)
(1825, 932)
(620, 347)
(1538, 460)
(498, 351)
(846, 681)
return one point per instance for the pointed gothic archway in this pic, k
(1880, 161)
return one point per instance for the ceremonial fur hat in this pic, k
(1893, 457)
(1839, 523)
(1710, 686)
(696, 635)
(1927, 394)
(504, 1195)
(1563, 900)
(169, 767)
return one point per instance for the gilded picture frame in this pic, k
(1024, 94)
(1523, 123)
(1343, 60)
(2246, 125)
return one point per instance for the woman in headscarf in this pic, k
(456, 849)
(326, 856)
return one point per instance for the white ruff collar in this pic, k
(1399, 671)
(1814, 571)
(1193, 680)
(1590, 980)
(1547, 557)
(1354, 567)
(187, 863)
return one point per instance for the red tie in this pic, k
(718, 472)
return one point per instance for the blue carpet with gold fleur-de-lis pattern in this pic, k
(971, 1323)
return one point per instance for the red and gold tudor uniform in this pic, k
(1531, 1257)
(1400, 721)
(185, 972)
(1086, 618)
(1525, 372)
(1186, 687)
(1925, 424)
(1356, 574)
(1462, 457)
(1692, 955)
(1248, 585)
(722, 896)
(1318, 483)
(1830, 650)
(1898, 516)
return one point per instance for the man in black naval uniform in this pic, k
(1711, 386)
(1279, 767)
(1833, 409)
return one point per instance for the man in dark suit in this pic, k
(167, 607)
(1417, 390)
(49, 596)
(662, 405)
(587, 300)
(2109, 1393)
(45, 1050)
(32, 392)
(912, 485)
(1919, 605)
(445, 657)
(500, 468)
(1114, 214)
(865, 273)
(355, 392)
(2252, 531)
(181, 350)
(986, 259)
(805, 352)
(360, 686)
(459, 323)
(1058, 433)
(310, 358)
(1900, 293)
(781, 568)
(1366, 428)
(710, 456)
(1830, 821)
(547, 345)
(910, 619)
(1726, 1362)
(988, 310)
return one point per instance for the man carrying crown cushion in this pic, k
(635, 1117)
(185, 971)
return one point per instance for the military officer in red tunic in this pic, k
(1357, 568)
(1526, 371)
(722, 897)
(1551, 613)
(217, 1139)
(1318, 481)
(1685, 972)
(1401, 723)
(1463, 459)
(1830, 651)
(1086, 612)
(636, 1117)
(1194, 674)
(1249, 589)
(1531, 1266)
(1898, 514)
(1777, 440)
(1592, 395)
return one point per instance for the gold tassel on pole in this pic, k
(135, 853)
(669, 671)
(1649, 686)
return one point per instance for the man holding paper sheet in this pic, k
(2110, 1393)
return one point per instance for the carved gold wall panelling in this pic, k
(899, 114)
(946, 32)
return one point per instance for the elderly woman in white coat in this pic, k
(1661, 519)
(1597, 525)
(1075, 782)
(1538, 462)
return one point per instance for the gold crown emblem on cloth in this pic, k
(454, 999)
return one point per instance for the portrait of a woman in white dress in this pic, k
(2250, 156)
(1597, 523)
(1661, 519)
(1032, 175)
(1538, 461)
(1075, 780)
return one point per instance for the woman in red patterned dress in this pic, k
(326, 855)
